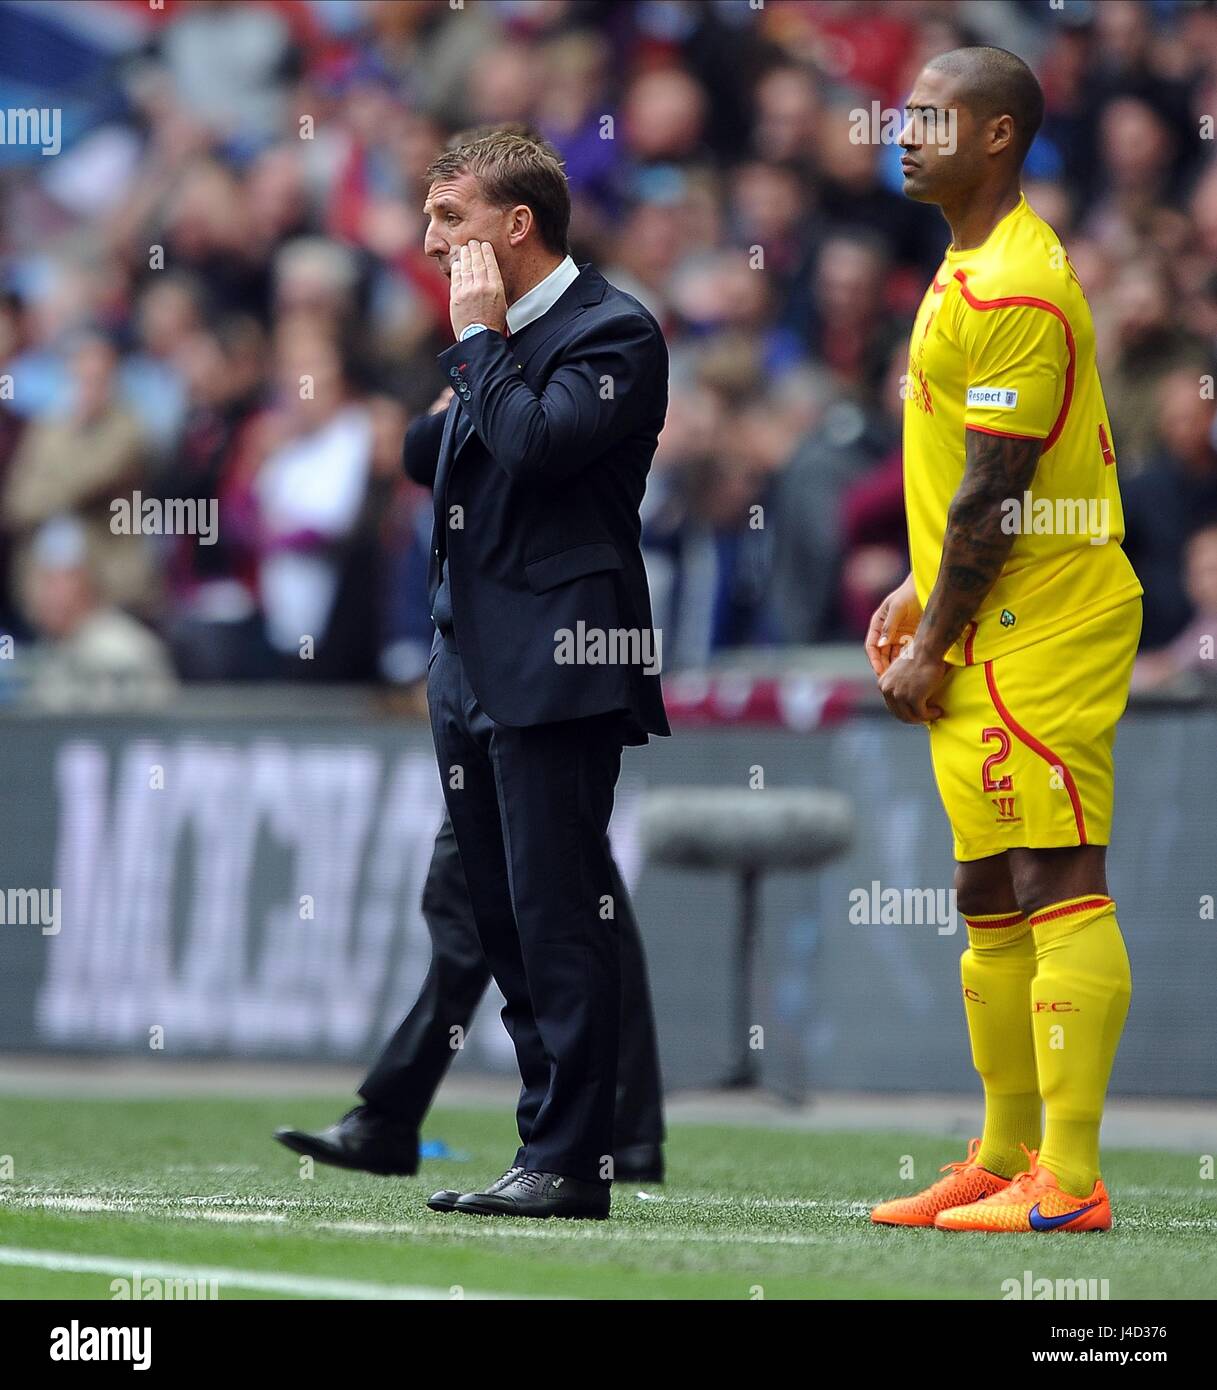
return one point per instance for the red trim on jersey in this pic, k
(937, 288)
(1028, 301)
(967, 645)
(1011, 921)
(1105, 444)
(1003, 434)
(1042, 750)
(1068, 910)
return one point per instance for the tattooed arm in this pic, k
(974, 550)
(976, 545)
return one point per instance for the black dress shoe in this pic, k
(446, 1198)
(539, 1194)
(638, 1163)
(363, 1139)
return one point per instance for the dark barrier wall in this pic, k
(231, 888)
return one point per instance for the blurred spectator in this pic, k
(228, 64)
(786, 122)
(850, 330)
(1194, 651)
(80, 464)
(873, 521)
(277, 197)
(572, 103)
(769, 210)
(503, 85)
(207, 230)
(89, 655)
(311, 470)
(1144, 343)
(213, 621)
(853, 196)
(11, 427)
(169, 311)
(1173, 498)
(664, 117)
(407, 629)
(845, 447)
(855, 41)
(316, 277)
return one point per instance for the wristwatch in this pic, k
(472, 328)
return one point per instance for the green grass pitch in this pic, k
(103, 1189)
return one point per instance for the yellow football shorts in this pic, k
(1023, 751)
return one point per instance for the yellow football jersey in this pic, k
(1004, 343)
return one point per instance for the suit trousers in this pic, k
(405, 1076)
(530, 810)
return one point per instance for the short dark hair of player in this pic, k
(993, 82)
(513, 165)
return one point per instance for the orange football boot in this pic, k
(967, 1182)
(1033, 1201)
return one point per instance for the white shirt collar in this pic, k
(543, 296)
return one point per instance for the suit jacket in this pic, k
(538, 469)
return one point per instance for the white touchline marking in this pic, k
(478, 1227)
(211, 1168)
(36, 1196)
(470, 1228)
(474, 1228)
(268, 1218)
(134, 1207)
(58, 1203)
(223, 1201)
(308, 1285)
(1133, 1190)
(841, 1205)
(455, 1228)
(136, 1202)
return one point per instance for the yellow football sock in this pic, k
(997, 969)
(1079, 999)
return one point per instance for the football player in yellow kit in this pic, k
(1012, 641)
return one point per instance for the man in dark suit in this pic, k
(382, 1134)
(545, 660)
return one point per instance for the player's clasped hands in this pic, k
(906, 680)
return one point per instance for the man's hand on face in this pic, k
(477, 289)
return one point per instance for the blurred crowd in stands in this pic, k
(237, 205)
